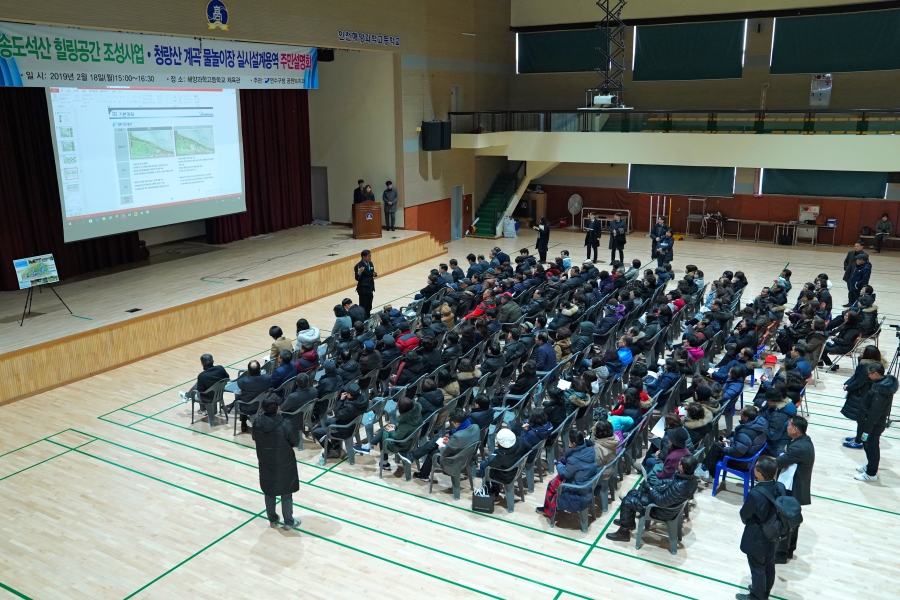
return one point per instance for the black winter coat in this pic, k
(857, 387)
(843, 340)
(593, 233)
(275, 440)
(505, 458)
(802, 453)
(876, 405)
(619, 227)
(755, 512)
(430, 402)
(667, 494)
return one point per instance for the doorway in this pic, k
(455, 99)
(456, 212)
(319, 185)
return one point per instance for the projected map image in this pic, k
(150, 143)
(194, 140)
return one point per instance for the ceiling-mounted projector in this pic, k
(603, 100)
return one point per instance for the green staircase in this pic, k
(493, 206)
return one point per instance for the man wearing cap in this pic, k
(617, 229)
(365, 275)
(389, 199)
(390, 351)
(509, 450)
(347, 341)
(860, 276)
(370, 359)
(353, 403)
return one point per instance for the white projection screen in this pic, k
(131, 158)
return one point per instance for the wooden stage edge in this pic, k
(33, 370)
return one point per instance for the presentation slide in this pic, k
(134, 158)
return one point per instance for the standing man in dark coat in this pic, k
(389, 199)
(617, 229)
(656, 233)
(276, 439)
(593, 233)
(860, 276)
(756, 511)
(873, 416)
(799, 451)
(359, 192)
(365, 274)
(849, 266)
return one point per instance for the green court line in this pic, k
(884, 510)
(311, 534)
(46, 459)
(558, 594)
(886, 437)
(147, 398)
(154, 414)
(612, 518)
(374, 530)
(23, 596)
(573, 563)
(26, 445)
(192, 556)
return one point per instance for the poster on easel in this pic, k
(34, 271)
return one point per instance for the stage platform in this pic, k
(186, 291)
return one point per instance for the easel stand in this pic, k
(28, 298)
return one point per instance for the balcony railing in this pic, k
(827, 121)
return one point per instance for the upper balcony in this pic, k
(843, 140)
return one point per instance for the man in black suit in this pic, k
(756, 511)
(849, 267)
(799, 451)
(358, 192)
(617, 229)
(252, 386)
(593, 233)
(210, 374)
(365, 274)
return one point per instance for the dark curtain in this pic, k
(31, 221)
(275, 129)
(828, 184)
(678, 180)
(561, 51)
(868, 41)
(689, 51)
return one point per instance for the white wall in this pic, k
(351, 122)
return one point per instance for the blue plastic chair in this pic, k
(723, 467)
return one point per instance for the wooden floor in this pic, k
(101, 299)
(109, 492)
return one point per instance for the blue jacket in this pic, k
(661, 385)
(748, 438)
(731, 390)
(580, 467)
(720, 375)
(534, 435)
(625, 356)
(860, 276)
(282, 374)
(777, 417)
(545, 357)
(804, 367)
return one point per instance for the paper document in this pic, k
(787, 476)
(659, 429)
(563, 384)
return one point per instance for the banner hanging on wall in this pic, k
(44, 56)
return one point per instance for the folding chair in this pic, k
(558, 436)
(730, 464)
(454, 466)
(590, 487)
(213, 400)
(510, 488)
(301, 420)
(248, 409)
(411, 441)
(674, 526)
(344, 433)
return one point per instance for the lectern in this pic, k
(367, 220)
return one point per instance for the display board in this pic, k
(135, 158)
(34, 271)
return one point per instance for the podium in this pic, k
(367, 220)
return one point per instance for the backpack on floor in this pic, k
(788, 515)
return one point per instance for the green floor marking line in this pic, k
(215, 437)
(26, 445)
(192, 556)
(14, 591)
(243, 510)
(153, 415)
(558, 594)
(147, 398)
(814, 423)
(884, 510)
(612, 518)
(46, 459)
(613, 575)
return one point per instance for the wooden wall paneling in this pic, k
(433, 217)
(850, 228)
(40, 368)
(834, 208)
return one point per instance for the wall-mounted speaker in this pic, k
(325, 54)
(445, 135)
(431, 136)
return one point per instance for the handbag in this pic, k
(483, 500)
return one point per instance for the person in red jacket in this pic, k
(486, 303)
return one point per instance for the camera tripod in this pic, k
(894, 368)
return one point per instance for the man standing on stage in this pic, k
(358, 195)
(365, 281)
(389, 199)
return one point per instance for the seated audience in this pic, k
(577, 466)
